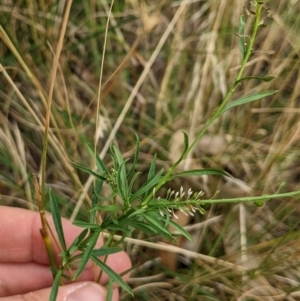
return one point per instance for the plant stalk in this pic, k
(223, 104)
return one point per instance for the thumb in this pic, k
(79, 291)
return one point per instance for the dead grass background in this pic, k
(167, 66)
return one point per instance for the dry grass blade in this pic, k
(167, 67)
(50, 95)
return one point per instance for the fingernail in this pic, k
(88, 292)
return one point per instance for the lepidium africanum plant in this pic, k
(142, 209)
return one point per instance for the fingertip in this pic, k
(85, 291)
(80, 291)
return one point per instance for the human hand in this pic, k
(24, 264)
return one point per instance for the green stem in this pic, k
(265, 197)
(187, 202)
(238, 77)
(108, 243)
(221, 107)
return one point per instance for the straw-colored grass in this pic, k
(167, 66)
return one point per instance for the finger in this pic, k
(80, 291)
(23, 253)
(20, 278)
(20, 237)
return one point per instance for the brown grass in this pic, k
(167, 66)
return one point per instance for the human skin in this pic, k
(24, 263)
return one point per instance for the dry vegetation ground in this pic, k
(167, 66)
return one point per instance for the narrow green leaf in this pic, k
(186, 146)
(73, 249)
(112, 275)
(151, 172)
(119, 165)
(76, 242)
(99, 163)
(122, 181)
(83, 224)
(167, 217)
(55, 286)
(147, 186)
(57, 219)
(98, 184)
(135, 212)
(88, 171)
(262, 78)
(181, 230)
(147, 229)
(108, 208)
(65, 256)
(117, 156)
(110, 289)
(87, 254)
(242, 36)
(108, 221)
(106, 251)
(132, 182)
(185, 141)
(113, 227)
(154, 221)
(95, 199)
(201, 172)
(248, 98)
(136, 156)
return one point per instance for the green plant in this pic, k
(143, 208)
(130, 210)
